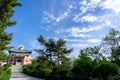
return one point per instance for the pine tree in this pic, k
(6, 12)
(54, 51)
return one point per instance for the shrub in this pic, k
(5, 72)
(61, 73)
(105, 70)
(82, 68)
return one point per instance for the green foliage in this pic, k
(36, 70)
(105, 70)
(45, 72)
(2, 56)
(115, 52)
(110, 44)
(112, 38)
(54, 51)
(82, 68)
(61, 73)
(117, 77)
(5, 72)
(93, 52)
(6, 12)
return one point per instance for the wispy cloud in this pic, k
(87, 6)
(87, 18)
(59, 31)
(111, 5)
(94, 40)
(74, 40)
(84, 30)
(79, 45)
(74, 34)
(62, 16)
(48, 17)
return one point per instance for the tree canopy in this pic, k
(6, 12)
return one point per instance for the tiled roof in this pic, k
(20, 51)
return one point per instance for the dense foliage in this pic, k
(5, 72)
(91, 64)
(105, 70)
(6, 12)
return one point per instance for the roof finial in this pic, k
(21, 47)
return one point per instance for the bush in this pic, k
(82, 68)
(27, 69)
(36, 71)
(5, 72)
(7, 66)
(61, 73)
(117, 77)
(105, 70)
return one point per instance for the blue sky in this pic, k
(82, 23)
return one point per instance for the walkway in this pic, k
(18, 75)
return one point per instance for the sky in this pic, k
(82, 23)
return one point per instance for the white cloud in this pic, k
(61, 17)
(95, 1)
(48, 17)
(65, 14)
(74, 40)
(111, 5)
(86, 18)
(94, 40)
(74, 34)
(83, 9)
(84, 2)
(70, 6)
(59, 31)
(84, 30)
(89, 18)
(79, 45)
(86, 6)
(77, 17)
(77, 32)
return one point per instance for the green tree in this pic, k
(82, 67)
(110, 44)
(93, 52)
(105, 70)
(61, 52)
(6, 12)
(55, 51)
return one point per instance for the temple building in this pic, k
(20, 55)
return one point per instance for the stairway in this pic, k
(18, 75)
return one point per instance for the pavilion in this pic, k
(18, 55)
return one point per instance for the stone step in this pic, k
(18, 75)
